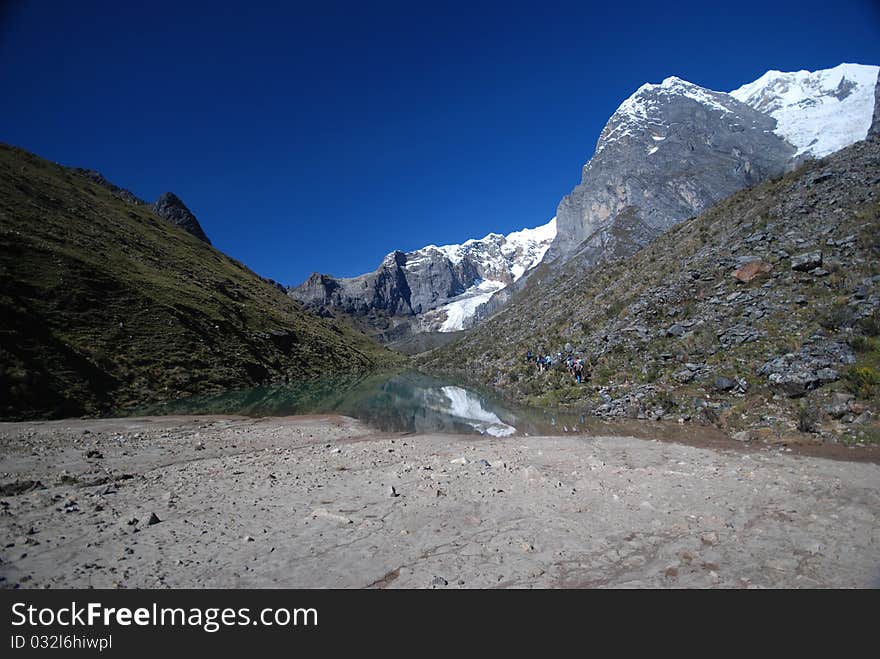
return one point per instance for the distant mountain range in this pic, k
(429, 290)
(669, 152)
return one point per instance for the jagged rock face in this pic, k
(430, 289)
(404, 285)
(669, 152)
(385, 291)
(169, 207)
(874, 130)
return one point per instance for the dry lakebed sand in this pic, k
(324, 501)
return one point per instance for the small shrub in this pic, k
(860, 343)
(835, 317)
(870, 325)
(666, 401)
(862, 381)
(807, 417)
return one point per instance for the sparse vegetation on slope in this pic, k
(672, 333)
(104, 305)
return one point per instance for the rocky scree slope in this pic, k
(433, 289)
(105, 305)
(761, 315)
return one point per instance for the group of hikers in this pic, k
(575, 365)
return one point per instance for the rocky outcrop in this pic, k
(383, 292)
(668, 153)
(98, 178)
(169, 207)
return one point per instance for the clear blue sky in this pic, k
(320, 136)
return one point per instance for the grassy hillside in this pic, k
(671, 333)
(104, 305)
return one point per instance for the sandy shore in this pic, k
(308, 502)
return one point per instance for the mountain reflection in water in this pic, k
(402, 402)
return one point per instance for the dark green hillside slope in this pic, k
(672, 333)
(104, 305)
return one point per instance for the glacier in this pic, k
(505, 258)
(819, 112)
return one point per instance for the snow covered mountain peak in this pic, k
(670, 151)
(498, 257)
(645, 110)
(819, 112)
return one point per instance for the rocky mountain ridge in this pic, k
(168, 206)
(669, 152)
(433, 289)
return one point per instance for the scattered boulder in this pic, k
(797, 373)
(807, 261)
(839, 406)
(827, 375)
(751, 270)
(709, 539)
(683, 376)
(795, 383)
(722, 383)
(154, 519)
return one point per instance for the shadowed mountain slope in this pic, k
(104, 305)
